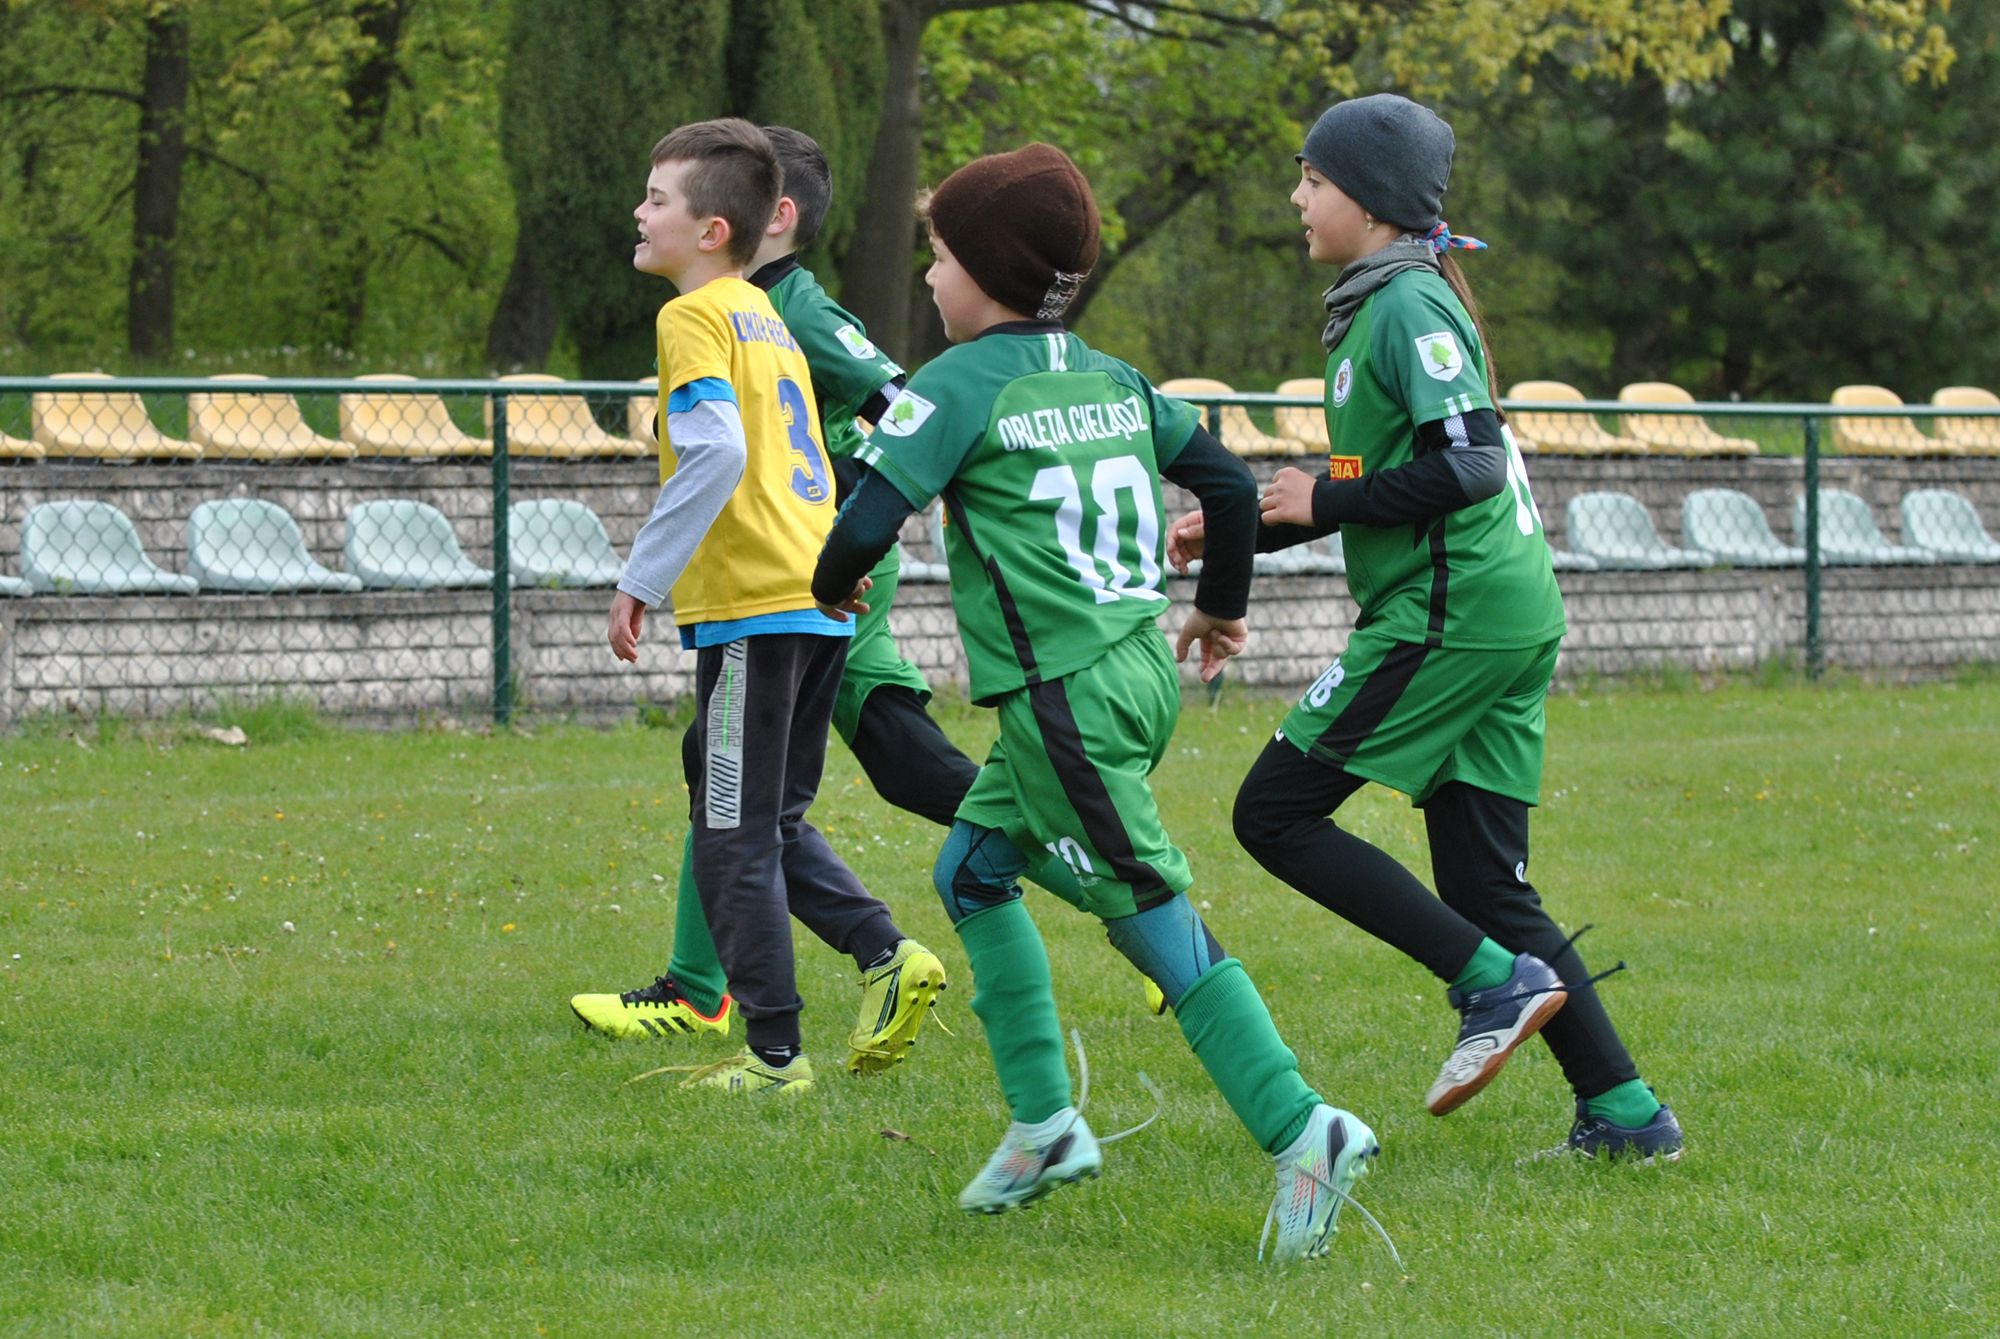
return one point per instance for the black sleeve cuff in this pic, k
(1228, 496)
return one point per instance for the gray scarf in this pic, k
(1364, 276)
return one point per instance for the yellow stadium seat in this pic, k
(240, 425)
(1563, 434)
(1676, 434)
(1237, 430)
(404, 426)
(101, 425)
(639, 415)
(13, 448)
(557, 426)
(1305, 428)
(1969, 436)
(1880, 436)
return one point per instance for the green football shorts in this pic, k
(1413, 717)
(1068, 775)
(872, 657)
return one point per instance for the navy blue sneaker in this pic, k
(1492, 1022)
(1594, 1136)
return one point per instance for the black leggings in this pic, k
(909, 760)
(1479, 857)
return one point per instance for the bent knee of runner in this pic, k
(1169, 943)
(978, 868)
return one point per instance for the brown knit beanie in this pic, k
(1024, 226)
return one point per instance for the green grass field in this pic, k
(285, 1049)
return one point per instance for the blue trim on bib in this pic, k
(734, 629)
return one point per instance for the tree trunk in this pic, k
(369, 87)
(524, 323)
(156, 187)
(876, 280)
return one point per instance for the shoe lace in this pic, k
(1271, 1216)
(1560, 984)
(663, 990)
(1083, 1093)
(694, 1073)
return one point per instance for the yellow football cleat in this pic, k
(658, 1010)
(894, 999)
(746, 1073)
(1156, 999)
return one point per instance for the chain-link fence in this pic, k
(1693, 536)
(390, 547)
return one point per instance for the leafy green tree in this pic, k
(590, 86)
(1785, 225)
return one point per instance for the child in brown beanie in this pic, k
(1049, 457)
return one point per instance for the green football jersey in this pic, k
(846, 366)
(1048, 455)
(1477, 577)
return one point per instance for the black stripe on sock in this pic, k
(1089, 796)
(1371, 706)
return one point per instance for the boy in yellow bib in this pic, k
(745, 502)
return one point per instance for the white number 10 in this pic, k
(1107, 479)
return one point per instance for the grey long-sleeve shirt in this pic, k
(708, 439)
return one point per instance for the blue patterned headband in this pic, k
(1442, 239)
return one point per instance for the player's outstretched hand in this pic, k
(1288, 498)
(1220, 638)
(853, 604)
(1186, 538)
(628, 621)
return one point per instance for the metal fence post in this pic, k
(503, 658)
(1815, 638)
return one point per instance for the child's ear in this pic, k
(714, 235)
(783, 219)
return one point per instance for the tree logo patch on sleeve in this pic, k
(1438, 352)
(906, 415)
(855, 342)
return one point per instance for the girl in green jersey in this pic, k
(1439, 692)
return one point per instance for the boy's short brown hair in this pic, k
(733, 175)
(808, 180)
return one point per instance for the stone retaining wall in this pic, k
(401, 654)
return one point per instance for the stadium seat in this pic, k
(101, 425)
(1325, 556)
(1731, 526)
(401, 544)
(408, 426)
(1848, 535)
(14, 586)
(640, 411)
(1880, 436)
(1614, 529)
(1233, 424)
(1566, 560)
(240, 425)
(557, 426)
(1969, 436)
(557, 542)
(1675, 434)
(1304, 428)
(78, 547)
(1563, 434)
(13, 448)
(247, 544)
(1947, 524)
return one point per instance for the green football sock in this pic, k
(1016, 1003)
(1631, 1104)
(1225, 1021)
(694, 966)
(1491, 965)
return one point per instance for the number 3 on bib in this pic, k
(1101, 570)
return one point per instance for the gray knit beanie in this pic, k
(1390, 155)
